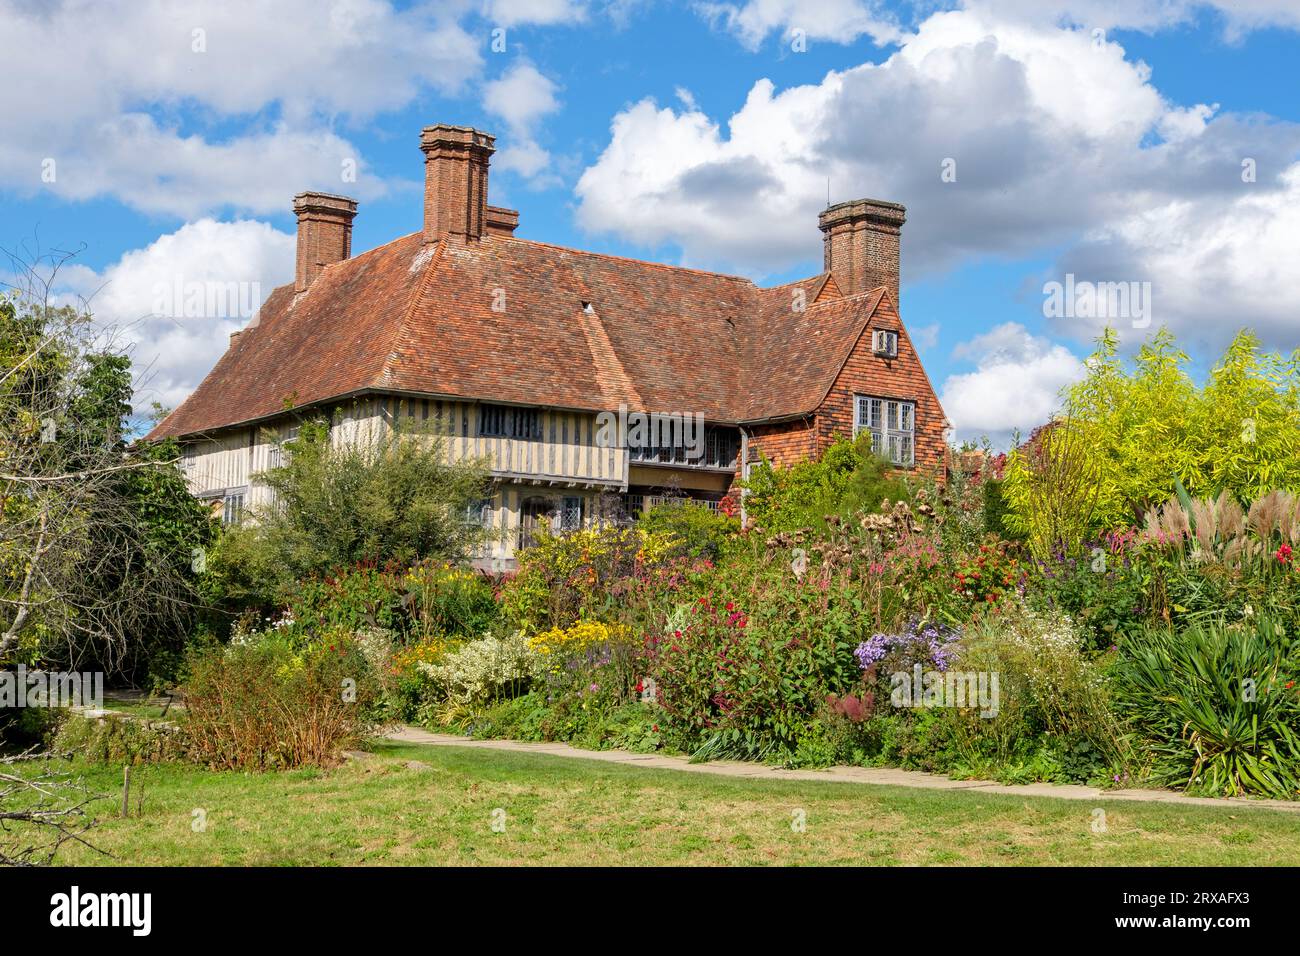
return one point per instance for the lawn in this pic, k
(419, 804)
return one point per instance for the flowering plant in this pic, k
(989, 575)
(930, 645)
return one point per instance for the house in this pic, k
(577, 375)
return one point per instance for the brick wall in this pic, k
(901, 378)
(784, 443)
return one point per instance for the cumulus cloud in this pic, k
(127, 106)
(177, 300)
(509, 13)
(839, 21)
(924, 337)
(1239, 16)
(1016, 384)
(522, 97)
(1053, 134)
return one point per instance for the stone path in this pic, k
(862, 775)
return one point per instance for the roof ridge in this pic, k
(786, 285)
(644, 262)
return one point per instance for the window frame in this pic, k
(893, 340)
(892, 424)
(516, 422)
(232, 508)
(572, 511)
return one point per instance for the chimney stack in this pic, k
(502, 222)
(324, 234)
(861, 243)
(455, 182)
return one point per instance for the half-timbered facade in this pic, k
(521, 354)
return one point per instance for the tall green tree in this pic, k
(96, 535)
(389, 497)
(1136, 433)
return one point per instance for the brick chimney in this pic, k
(455, 182)
(324, 234)
(861, 243)
(502, 221)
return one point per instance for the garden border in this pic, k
(877, 776)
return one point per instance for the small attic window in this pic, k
(588, 307)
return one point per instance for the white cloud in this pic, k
(1215, 264)
(509, 13)
(1239, 16)
(1056, 138)
(222, 270)
(839, 21)
(1016, 384)
(522, 96)
(924, 337)
(124, 96)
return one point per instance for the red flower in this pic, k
(1283, 554)
(731, 605)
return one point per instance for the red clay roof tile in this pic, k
(411, 318)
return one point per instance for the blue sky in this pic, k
(1099, 138)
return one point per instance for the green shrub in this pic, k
(848, 478)
(476, 675)
(119, 738)
(1141, 432)
(630, 726)
(393, 498)
(995, 509)
(1104, 593)
(1214, 708)
(743, 670)
(588, 574)
(1054, 711)
(267, 704)
(447, 601)
(699, 531)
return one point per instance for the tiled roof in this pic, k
(419, 319)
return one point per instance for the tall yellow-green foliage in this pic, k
(1145, 429)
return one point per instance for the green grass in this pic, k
(382, 810)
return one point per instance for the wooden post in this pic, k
(126, 790)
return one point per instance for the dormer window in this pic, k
(884, 343)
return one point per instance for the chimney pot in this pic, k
(861, 240)
(324, 234)
(455, 182)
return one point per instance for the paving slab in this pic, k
(877, 776)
